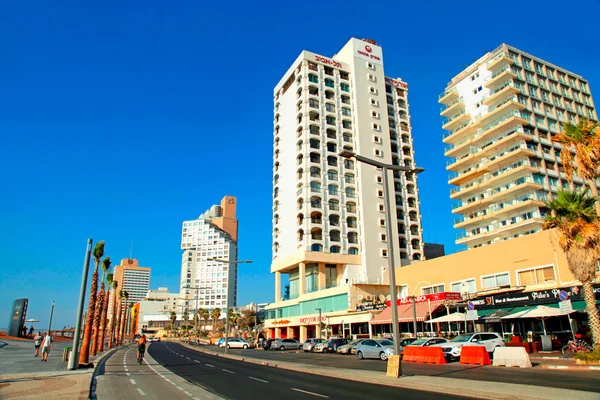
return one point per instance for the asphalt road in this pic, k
(240, 380)
(577, 380)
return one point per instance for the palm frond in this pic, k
(106, 264)
(99, 250)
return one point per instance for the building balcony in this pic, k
(500, 76)
(498, 229)
(456, 120)
(459, 133)
(452, 107)
(506, 105)
(508, 89)
(499, 61)
(448, 96)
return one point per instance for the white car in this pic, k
(319, 347)
(235, 343)
(453, 348)
(425, 342)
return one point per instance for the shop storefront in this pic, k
(332, 325)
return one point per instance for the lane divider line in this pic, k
(132, 381)
(226, 370)
(127, 373)
(311, 393)
(188, 393)
(141, 392)
(260, 380)
(209, 365)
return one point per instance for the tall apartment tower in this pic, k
(133, 279)
(328, 212)
(501, 113)
(213, 235)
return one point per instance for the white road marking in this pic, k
(260, 380)
(226, 370)
(188, 358)
(168, 380)
(180, 388)
(314, 394)
(132, 381)
(172, 383)
(127, 373)
(188, 393)
(141, 392)
(197, 361)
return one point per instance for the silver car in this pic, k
(286, 344)
(375, 348)
(309, 344)
(349, 348)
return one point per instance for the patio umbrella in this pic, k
(540, 312)
(32, 320)
(454, 317)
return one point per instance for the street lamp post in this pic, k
(414, 306)
(228, 287)
(73, 360)
(390, 248)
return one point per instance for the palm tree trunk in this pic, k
(84, 356)
(104, 321)
(97, 318)
(124, 327)
(117, 327)
(593, 317)
(594, 191)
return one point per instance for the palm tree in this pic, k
(113, 320)
(103, 316)
(204, 315)
(132, 315)
(216, 313)
(84, 356)
(186, 316)
(233, 320)
(99, 307)
(124, 318)
(574, 215)
(119, 312)
(584, 139)
(173, 319)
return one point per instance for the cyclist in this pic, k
(141, 343)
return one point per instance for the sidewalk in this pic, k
(555, 360)
(462, 387)
(23, 376)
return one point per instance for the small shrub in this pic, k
(592, 356)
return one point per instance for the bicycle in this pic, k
(141, 357)
(574, 346)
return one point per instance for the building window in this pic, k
(469, 285)
(374, 103)
(353, 251)
(371, 77)
(383, 253)
(375, 114)
(536, 275)
(372, 90)
(371, 66)
(378, 153)
(345, 87)
(382, 237)
(381, 222)
(433, 289)
(381, 208)
(493, 281)
(330, 274)
(380, 193)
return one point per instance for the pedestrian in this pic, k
(37, 340)
(31, 330)
(47, 345)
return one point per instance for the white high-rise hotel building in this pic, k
(328, 212)
(501, 114)
(213, 235)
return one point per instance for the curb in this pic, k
(383, 380)
(99, 362)
(574, 367)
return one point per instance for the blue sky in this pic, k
(119, 120)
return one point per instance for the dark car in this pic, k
(266, 344)
(333, 344)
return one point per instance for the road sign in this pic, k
(472, 314)
(470, 305)
(566, 307)
(563, 295)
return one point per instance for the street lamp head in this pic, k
(347, 154)
(418, 170)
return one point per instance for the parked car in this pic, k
(349, 348)
(219, 342)
(266, 344)
(286, 344)
(452, 348)
(332, 345)
(236, 343)
(424, 342)
(154, 339)
(319, 347)
(407, 341)
(309, 344)
(372, 348)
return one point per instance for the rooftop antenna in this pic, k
(131, 250)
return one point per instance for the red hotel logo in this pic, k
(368, 48)
(367, 53)
(394, 82)
(328, 61)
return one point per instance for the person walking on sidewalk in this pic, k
(37, 340)
(47, 345)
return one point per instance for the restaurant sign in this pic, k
(443, 296)
(369, 305)
(574, 293)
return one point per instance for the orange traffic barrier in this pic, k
(411, 353)
(433, 355)
(429, 355)
(474, 355)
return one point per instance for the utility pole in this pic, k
(51, 315)
(319, 310)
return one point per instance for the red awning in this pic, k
(405, 313)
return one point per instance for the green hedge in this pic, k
(593, 356)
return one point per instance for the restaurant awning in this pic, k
(405, 312)
(454, 317)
